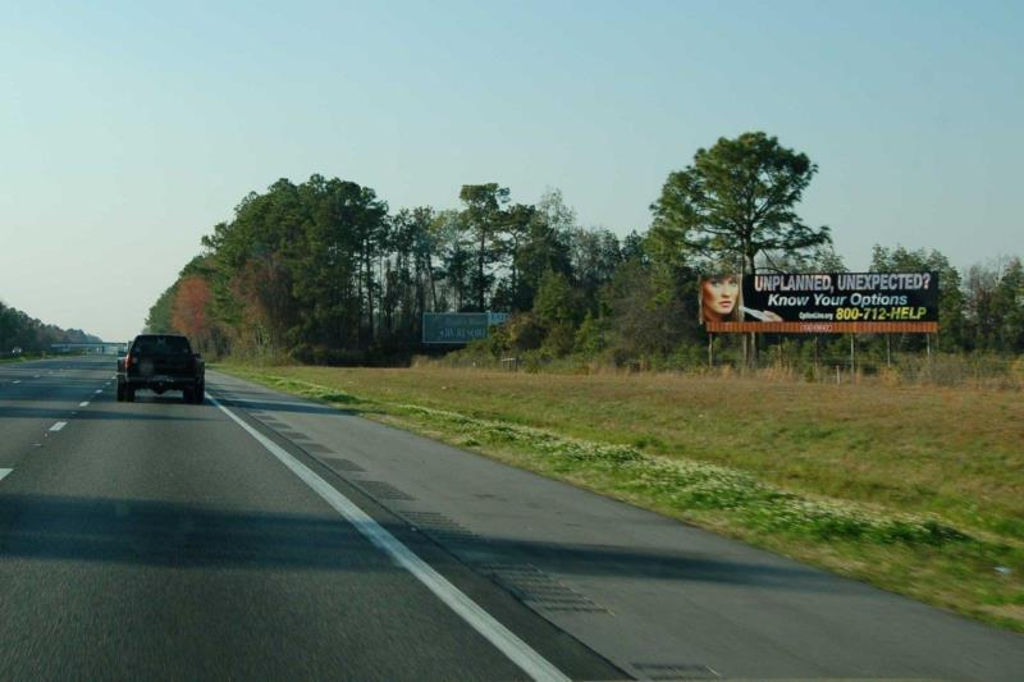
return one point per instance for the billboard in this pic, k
(459, 328)
(821, 303)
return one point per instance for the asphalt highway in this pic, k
(259, 536)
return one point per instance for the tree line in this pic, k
(19, 330)
(325, 272)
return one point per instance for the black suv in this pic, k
(161, 362)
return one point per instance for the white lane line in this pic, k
(518, 651)
(4, 472)
(58, 426)
(98, 391)
(35, 376)
(84, 403)
(18, 381)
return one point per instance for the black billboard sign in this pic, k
(821, 302)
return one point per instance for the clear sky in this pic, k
(128, 129)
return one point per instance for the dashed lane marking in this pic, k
(98, 391)
(16, 382)
(58, 426)
(84, 403)
(506, 641)
(4, 472)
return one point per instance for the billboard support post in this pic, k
(711, 351)
(888, 350)
(853, 355)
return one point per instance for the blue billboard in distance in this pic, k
(459, 328)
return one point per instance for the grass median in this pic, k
(21, 358)
(919, 490)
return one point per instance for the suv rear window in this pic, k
(161, 345)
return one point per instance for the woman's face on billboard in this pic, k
(720, 294)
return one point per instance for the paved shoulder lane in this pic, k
(658, 598)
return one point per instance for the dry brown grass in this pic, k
(953, 451)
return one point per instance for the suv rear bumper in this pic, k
(160, 383)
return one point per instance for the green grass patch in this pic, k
(22, 358)
(32, 356)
